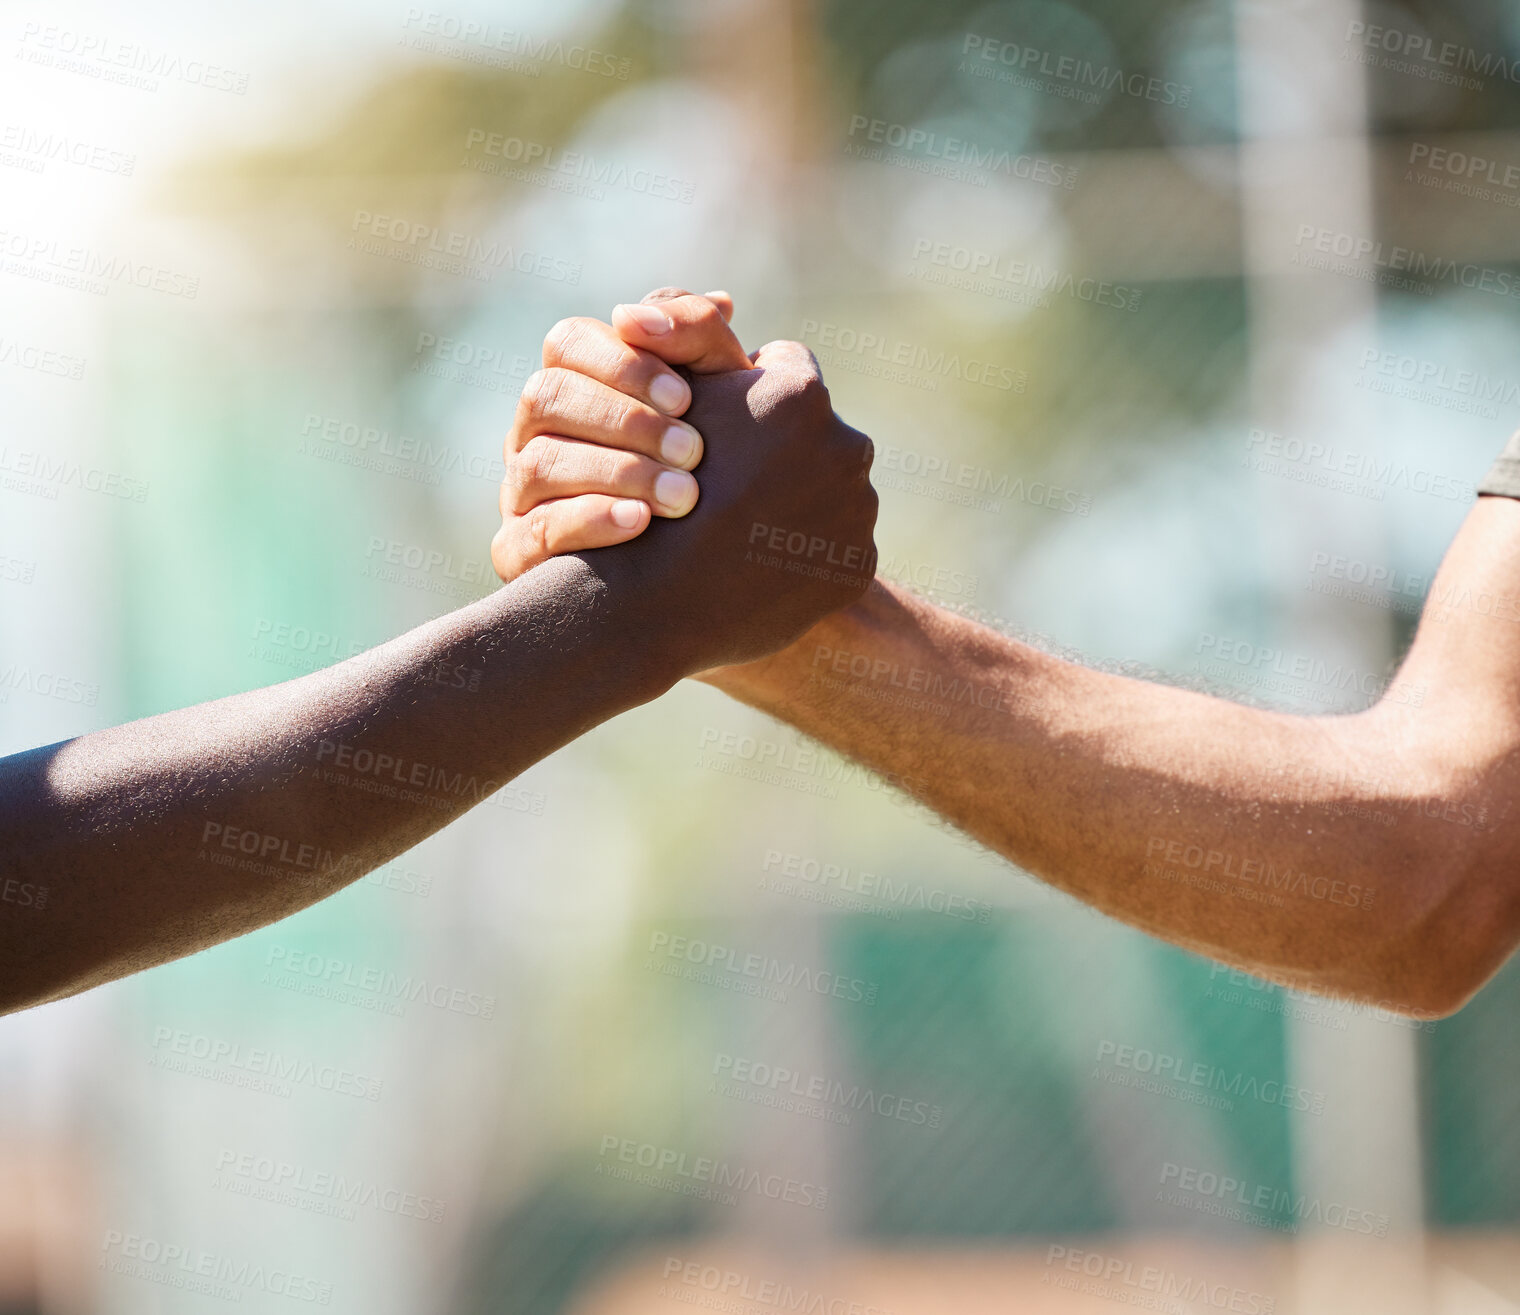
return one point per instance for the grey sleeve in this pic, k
(1503, 478)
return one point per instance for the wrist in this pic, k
(607, 619)
(783, 677)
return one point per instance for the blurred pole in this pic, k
(763, 57)
(1305, 159)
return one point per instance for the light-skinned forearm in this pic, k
(1358, 855)
(167, 835)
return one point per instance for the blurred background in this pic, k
(1183, 330)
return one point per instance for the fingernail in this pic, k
(648, 318)
(676, 491)
(713, 296)
(668, 392)
(678, 447)
(627, 513)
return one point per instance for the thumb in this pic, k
(683, 329)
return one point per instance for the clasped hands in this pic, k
(749, 499)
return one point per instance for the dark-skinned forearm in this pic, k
(170, 834)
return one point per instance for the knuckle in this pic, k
(789, 381)
(532, 391)
(515, 483)
(561, 342)
(535, 465)
(800, 376)
(666, 293)
(798, 355)
(636, 425)
(537, 531)
(541, 393)
(856, 452)
(502, 559)
(633, 371)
